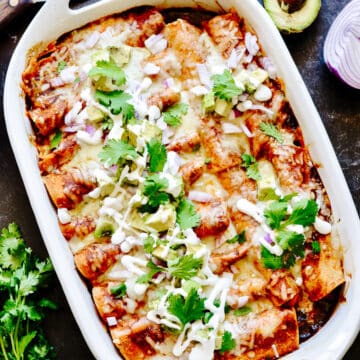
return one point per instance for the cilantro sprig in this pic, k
(228, 343)
(315, 247)
(173, 114)
(271, 130)
(153, 187)
(293, 244)
(184, 267)
(237, 239)
(157, 154)
(251, 166)
(109, 70)
(22, 308)
(118, 102)
(186, 215)
(146, 278)
(186, 309)
(56, 139)
(303, 213)
(116, 151)
(225, 87)
(119, 291)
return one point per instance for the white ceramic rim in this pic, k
(336, 337)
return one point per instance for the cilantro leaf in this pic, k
(146, 278)
(315, 247)
(118, 291)
(22, 275)
(225, 87)
(109, 70)
(245, 310)
(293, 245)
(271, 130)
(252, 167)
(186, 215)
(228, 343)
(149, 244)
(304, 213)
(290, 240)
(157, 154)
(12, 248)
(270, 260)
(267, 194)
(184, 267)
(187, 309)
(61, 65)
(107, 123)
(117, 102)
(56, 139)
(115, 151)
(275, 213)
(172, 115)
(239, 238)
(153, 188)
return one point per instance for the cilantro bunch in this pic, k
(276, 216)
(22, 308)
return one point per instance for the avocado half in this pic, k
(296, 21)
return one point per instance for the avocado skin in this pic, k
(296, 21)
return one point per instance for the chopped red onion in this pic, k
(268, 65)
(151, 69)
(45, 87)
(92, 39)
(342, 45)
(251, 44)
(237, 112)
(156, 43)
(56, 82)
(199, 196)
(71, 115)
(204, 75)
(264, 109)
(229, 128)
(173, 163)
(90, 129)
(153, 39)
(111, 320)
(169, 83)
(268, 239)
(67, 75)
(73, 128)
(246, 130)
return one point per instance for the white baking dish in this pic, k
(54, 19)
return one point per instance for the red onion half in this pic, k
(342, 45)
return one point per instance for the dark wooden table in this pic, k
(339, 107)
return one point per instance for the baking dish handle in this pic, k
(63, 6)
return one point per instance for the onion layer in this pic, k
(342, 45)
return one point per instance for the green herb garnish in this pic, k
(271, 130)
(184, 267)
(118, 291)
(239, 238)
(157, 154)
(173, 114)
(251, 166)
(186, 215)
(228, 343)
(187, 309)
(225, 87)
(110, 70)
(116, 151)
(22, 278)
(117, 102)
(56, 139)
